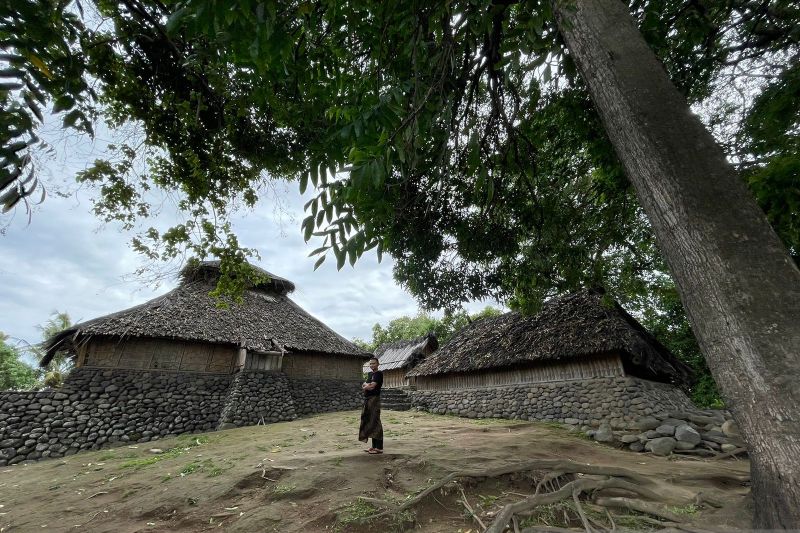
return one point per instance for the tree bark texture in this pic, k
(737, 282)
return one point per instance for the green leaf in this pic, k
(71, 118)
(174, 19)
(63, 103)
(308, 224)
(303, 183)
(341, 257)
(319, 262)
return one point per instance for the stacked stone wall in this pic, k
(257, 398)
(325, 395)
(101, 407)
(96, 407)
(619, 401)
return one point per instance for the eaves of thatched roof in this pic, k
(576, 325)
(264, 315)
(405, 353)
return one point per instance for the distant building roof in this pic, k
(405, 353)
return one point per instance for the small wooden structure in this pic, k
(397, 358)
(186, 331)
(574, 337)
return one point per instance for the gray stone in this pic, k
(728, 447)
(684, 445)
(662, 446)
(604, 434)
(627, 439)
(665, 430)
(647, 423)
(687, 434)
(636, 447)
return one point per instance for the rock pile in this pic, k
(706, 433)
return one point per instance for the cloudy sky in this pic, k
(65, 260)
(62, 258)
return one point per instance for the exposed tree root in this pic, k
(470, 510)
(640, 506)
(732, 453)
(618, 484)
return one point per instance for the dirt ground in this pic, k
(307, 475)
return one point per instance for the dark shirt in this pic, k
(374, 377)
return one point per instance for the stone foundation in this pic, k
(325, 395)
(100, 407)
(257, 398)
(618, 401)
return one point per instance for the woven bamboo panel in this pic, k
(394, 378)
(159, 354)
(600, 366)
(325, 366)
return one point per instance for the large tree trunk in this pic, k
(739, 286)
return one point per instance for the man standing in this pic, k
(371, 426)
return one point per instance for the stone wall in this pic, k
(619, 401)
(257, 398)
(96, 407)
(325, 395)
(100, 407)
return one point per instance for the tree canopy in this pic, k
(15, 374)
(407, 327)
(455, 137)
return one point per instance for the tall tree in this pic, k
(407, 327)
(61, 363)
(738, 284)
(15, 374)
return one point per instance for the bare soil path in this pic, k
(312, 475)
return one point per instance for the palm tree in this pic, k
(61, 364)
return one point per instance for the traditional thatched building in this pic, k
(573, 337)
(397, 358)
(186, 331)
(578, 353)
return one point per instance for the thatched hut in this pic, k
(581, 360)
(398, 357)
(185, 330)
(579, 336)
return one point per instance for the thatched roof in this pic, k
(189, 313)
(405, 353)
(209, 270)
(567, 327)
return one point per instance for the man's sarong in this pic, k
(371, 427)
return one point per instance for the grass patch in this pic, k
(184, 445)
(107, 457)
(487, 501)
(564, 514)
(355, 512)
(281, 490)
(191, 468)
(493, 421)
(688, 510)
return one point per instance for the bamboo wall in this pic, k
(322, 366)
(158, 354)
(584, 368)
(394, 378)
